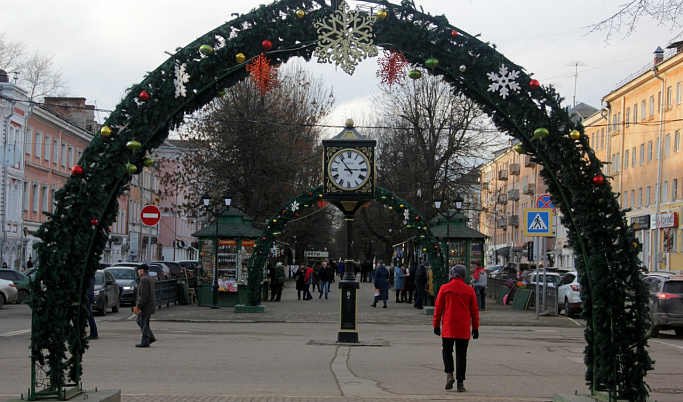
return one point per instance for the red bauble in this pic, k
(266, 45)
(599, 180)
(436, 247)
(454, 33)
(263, 238)
(144, 96)
(77, 170)
(534, 84)
(93, 222)
(297, 215)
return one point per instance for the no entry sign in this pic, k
(150, 215)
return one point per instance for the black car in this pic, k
(666, 302)
(106, 293)
(126, 277)
(155, 270)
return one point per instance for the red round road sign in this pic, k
(150, 215)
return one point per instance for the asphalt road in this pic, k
(221, 355)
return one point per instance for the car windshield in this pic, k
(122, 273)
(673, 287)
(99, 278)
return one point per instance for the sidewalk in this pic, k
(320, 310)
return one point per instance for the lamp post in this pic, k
(206, 199)
(438, 201)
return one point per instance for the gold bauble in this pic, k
(541, 133)
(147, 162)
(300, 14)
(130, 168)
(240, 58)
(133, 145)
(105, 131)
(574, 135)
(381, 14)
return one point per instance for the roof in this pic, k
(458, 228)
(232, 223)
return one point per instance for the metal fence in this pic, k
(166, 292)
(493, 286)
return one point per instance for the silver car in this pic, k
(8, 292)
(569, 294)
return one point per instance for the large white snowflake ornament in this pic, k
(505, 82)
(294, 206)
(406, 214)
(345, 38)
(181, 78)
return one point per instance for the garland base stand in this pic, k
(243, 308)
(96, 395)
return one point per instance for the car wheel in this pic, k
(679, 332)
(567, 309)
(115, 307)
(23, 295)
(103, 308)
(2, 300)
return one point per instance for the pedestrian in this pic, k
(333, 267)
(279, 280)
(315, 281)
(410, 279)
(145, 306)
(479, 284)
(371, 273)
(271, 280)
(420, 283)
(325, 275)
(4, 264)
(382, 284)
(456, 311)
(299, 277)
(29, 263)
(91, 318)
(399, 282)
(308, 278)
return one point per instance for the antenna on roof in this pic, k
(576, 65)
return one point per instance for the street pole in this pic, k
(348, 319)
(215, 287)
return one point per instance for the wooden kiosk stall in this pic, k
(236, 239)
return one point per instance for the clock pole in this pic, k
(348, 286)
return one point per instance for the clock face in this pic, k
(349, 169)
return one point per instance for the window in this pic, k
(45, 198)
(658, 150)
(624, 199)
(647, 196)
(36, 198)
(679, 87)
(642, 109)
(626, 159)
(48, 143)
(652, 105)
(26, 196)
(659, 101)
(55, 151)
(602, 138)
(669, 97)
(633, 157)
(618, 160)
(677, 140)
(667, 144)
(642, 153)
(39, 143)
(63, 156)
(614, 123)
(627, 120)
(640, 197)
(649, 151)
(674, 189)
(665, 191)
(71, 157)
(633, 198)
(635, 113)
(28, 146)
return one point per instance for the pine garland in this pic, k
(615, 299)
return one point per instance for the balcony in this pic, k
(502, 199)
(503, 174)
(529, 189)
(514, 169)
(513, 220)
(513, 195)
(528, 162)
(501, 223)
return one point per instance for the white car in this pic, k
(569, 294)
(551, 279)
(8, 292)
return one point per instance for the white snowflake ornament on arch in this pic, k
(406, 214)
(295, 206)
(181, 78)
(505, 82)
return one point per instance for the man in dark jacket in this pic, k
(420, 283)
(145, 305)
(279, 279)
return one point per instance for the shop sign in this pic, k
(316, 254)
(667, 220)
(225, 242)
(248, 243)
(640, 222)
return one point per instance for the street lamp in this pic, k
(206, 199)
(438, 202)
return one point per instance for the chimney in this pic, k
(3, 76)
(659, 55)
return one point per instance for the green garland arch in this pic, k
(73, 239)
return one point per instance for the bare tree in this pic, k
(665, 12)
(36, 73)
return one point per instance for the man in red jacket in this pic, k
(456, 306)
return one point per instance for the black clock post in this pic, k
(349, 183)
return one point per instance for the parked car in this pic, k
(569, 294)
(155, 270)
(21, 281)
(106, 293)
(126, 277)
(504, 273)
(666, 303)
(172, 268)
(191, 266)
(550, 278)
(8, 292)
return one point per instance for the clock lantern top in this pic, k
(349, 166)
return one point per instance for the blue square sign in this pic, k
(538, 222)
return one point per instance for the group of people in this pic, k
(309, 277)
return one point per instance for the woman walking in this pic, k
(382, 284)
(399, 282)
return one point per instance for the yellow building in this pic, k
(638, 136)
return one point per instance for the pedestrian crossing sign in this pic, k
(538, 222)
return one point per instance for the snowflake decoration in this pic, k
(503, 82)
(263, 75)
(406, 214)
(345, 38)
(181, 78)
(392, 67)
(295, 206)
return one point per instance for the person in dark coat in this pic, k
(299, 277)
(325, 275)
(410, 281)
(145, 305)
(279, 279)
(91, 318)
(456, 313)
(382, 284)
(271, 280)
(420, 283)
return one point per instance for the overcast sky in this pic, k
(102, 47)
